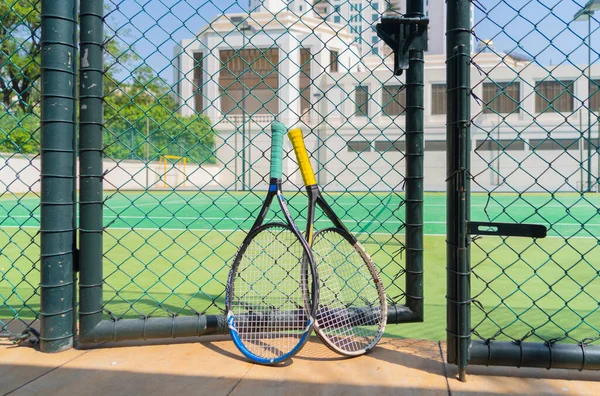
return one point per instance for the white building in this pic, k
(309, 73)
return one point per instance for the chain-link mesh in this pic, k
(535, 139)
(190, 92)
(19, 165)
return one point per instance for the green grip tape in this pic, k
(277, 133)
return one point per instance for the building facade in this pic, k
(244, 71)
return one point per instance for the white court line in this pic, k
(216, 202)
(492, 205)
(245, 231)
(240, 219)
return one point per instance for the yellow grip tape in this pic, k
(308, 175)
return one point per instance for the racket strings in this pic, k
(268, 303)
(350, 306)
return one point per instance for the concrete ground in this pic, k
(213, 366)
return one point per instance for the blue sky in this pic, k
(542, 28)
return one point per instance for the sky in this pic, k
(541, 29)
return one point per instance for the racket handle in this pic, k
(308, 175)
(277, 132)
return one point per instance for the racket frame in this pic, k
(316, 198)
(308, 268)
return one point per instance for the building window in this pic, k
(305, 58)
(375, 51)
(595, 96)
(438, 99)
(499, 145)
(336, 19)
(359, 146)
(435, 145)
(393, 100)
(554, 144)
(385, 145)
(554, 97)
(375, 17)
(501, 98)
(250, 74)
(333, 61)
(361, 101)
(198, 82)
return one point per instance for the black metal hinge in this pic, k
(403, 34)
(507, 229)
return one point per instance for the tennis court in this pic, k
(168, 253)
(565, 215)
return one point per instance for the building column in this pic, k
(289, 79)
(212, 105)
(289, 90)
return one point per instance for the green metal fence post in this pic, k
(457, 182)
(414, 171)
(57, 206)
(90, 167)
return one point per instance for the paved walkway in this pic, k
(212, 366)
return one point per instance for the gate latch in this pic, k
(403, 34)
(507, 229)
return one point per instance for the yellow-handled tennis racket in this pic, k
(352, 311)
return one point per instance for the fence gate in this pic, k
(174, 105)
(522, 185)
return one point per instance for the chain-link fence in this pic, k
(533, 121)
(174, 104)
(19, 166)
(184, 158)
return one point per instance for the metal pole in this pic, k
(90, 167)
(414, 171)
(243, 115)
(458, 44)
(589, 159)
(498, 151)
(132, 154)
(57, 205)
(580, 151)
(147, 153)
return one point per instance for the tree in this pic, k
(144, 101)
(141, 99)
(19, 53)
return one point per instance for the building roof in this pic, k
(282, 20)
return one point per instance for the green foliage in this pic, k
(19, 53)
(19, 133)
(143, 106)
(135, 107)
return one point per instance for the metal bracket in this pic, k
(403, 34)
(30, 335)
(507, 229)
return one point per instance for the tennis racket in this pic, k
(352, 311)
(270, 290)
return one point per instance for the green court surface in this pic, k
(168, 253)
(564, 214)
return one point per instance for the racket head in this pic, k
(352, 309)
(269, 307)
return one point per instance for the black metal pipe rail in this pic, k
(90, 167)
(414, 171)
(57, 205)
(535, 354)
